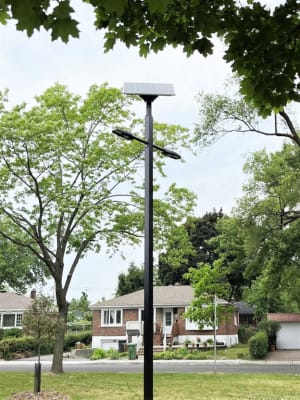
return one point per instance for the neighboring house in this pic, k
(120, 320)
(288, 336)
(12, 307)
(246, 313)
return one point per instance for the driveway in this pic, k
(284, 355)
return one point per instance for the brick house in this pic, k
(120, 320)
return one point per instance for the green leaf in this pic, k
(64, 28)
(28, 15)
(63, 10)
(114, 6)
(160, 6)
(4, 16)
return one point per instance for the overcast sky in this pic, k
(29, 66)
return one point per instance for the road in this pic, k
(182, 366)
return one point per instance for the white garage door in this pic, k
(288, 337)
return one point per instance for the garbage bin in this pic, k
(131, 351)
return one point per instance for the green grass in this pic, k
(123, 386)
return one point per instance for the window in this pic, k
(8, 320)
(111, 317)
(19, 319)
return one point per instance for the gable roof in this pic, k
(166, 296)
(284, 317)
(14, 302)
(244, 308)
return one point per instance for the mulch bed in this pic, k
(41, 395)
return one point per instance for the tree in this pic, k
(188, 245)
(209, 287)
(269, 211)
(262, 44)
(19, 268)
(67, 184)
(130, 282)
(40, 321)
(80, 308)
(220, 115)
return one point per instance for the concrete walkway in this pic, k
(283, 355)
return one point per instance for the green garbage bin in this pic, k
(131, 351)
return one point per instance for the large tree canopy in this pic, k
(262, 45)
(187, 246)
(67, 184)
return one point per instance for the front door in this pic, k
(168, 321)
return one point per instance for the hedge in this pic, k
(258, 345)
(27, 345)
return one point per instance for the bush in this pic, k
(113, 354)
(98, 354)
(72, 338)
(12, 333)
(245, 332)
(258, 345)
(271, 328)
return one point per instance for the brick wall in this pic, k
(98, 330)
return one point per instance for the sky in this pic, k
(30, 65)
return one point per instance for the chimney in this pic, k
(33, 294)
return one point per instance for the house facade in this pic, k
(120, 320)
(12, 307)
(288, 336)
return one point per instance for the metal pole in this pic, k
(215, 332)
(148, 255)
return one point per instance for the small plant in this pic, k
(113, 354)
(210, 341)
(98, 354)
(187, 342)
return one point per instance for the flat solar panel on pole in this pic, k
(149, 89)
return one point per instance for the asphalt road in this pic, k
(181, 366)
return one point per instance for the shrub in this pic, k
(113, 354)
(12, 333)
(258, 345)
(72, 338)
(98, 354)
(271, 328)
(245, 332)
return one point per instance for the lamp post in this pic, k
(148, 92)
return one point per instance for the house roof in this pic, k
(172, 296)
(284, 317)
(163, 296)
(244, 308)
(13, 302)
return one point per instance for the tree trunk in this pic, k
(57, 362)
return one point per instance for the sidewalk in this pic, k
(276, 357)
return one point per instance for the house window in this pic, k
(111, 317)
(141, 314)
(8, 320)
(19, 319)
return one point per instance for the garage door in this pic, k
(288, 337)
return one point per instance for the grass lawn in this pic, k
(95, 386)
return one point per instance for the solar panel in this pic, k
(149, 89)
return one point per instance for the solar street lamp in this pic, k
(148, 92)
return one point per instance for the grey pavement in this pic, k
(276, 357)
